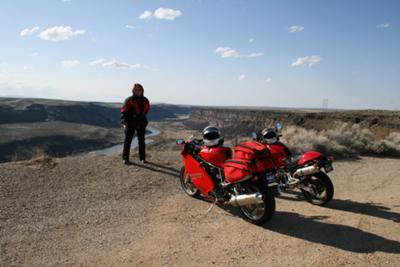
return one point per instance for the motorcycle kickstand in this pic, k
(212, 205)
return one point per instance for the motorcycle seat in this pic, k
(291, 163)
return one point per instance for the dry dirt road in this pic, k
(93, 211)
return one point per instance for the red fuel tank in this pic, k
(216, 155)
(279, 152)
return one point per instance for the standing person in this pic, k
(133, 118)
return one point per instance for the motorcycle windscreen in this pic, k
(198, 175)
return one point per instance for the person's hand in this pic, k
(124, 125)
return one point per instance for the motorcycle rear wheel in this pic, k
(258, 213)
(322, 186)
(187, 185)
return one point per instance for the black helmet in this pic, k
(212, 136)
(269, 135)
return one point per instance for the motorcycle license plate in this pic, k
(271, 179)
(328, 167)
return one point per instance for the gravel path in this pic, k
(92, 211)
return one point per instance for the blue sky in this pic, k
(204, 52)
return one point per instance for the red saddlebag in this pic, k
(262, 164)
(236, 170)
(257, 153)
(250, 150)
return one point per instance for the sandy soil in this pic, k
(93, 211)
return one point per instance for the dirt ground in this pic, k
(93, 211)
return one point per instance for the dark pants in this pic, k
(129, 133)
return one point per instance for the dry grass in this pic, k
(343, 141)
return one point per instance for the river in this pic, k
(113, 150)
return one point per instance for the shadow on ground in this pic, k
(312, 228)
(335, 235)
(368, 208)
(156, 167)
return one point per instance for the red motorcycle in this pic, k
(212, 173)
(301, 171)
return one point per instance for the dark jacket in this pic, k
(134, 110)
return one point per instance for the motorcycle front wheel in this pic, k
(320, 189)
(258, 213)
(187, 185)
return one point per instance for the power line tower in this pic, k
(325, 103)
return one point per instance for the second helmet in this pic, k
(269, 135)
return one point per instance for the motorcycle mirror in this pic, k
(254, 135)
(278, 126)
(180, 141)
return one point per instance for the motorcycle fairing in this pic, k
(309, 156)
(198, 176)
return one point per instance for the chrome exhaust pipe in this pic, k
(244, 200)
(306, 171)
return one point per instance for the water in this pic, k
(113, 150)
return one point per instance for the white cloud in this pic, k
(130, 27)
(27, 68)
(96, 62)
(167, 13)
(307, 61)
(27, 31)
(70, 63)
(60, 33)
(146, 15)
(115, 64)
(34, 54)
(296, 28)
(242, 77)
(161, 13)
(268, 80)
(383, 25)
(226, 52)
(251, 40)
(259, 54)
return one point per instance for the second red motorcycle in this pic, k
(307, 172)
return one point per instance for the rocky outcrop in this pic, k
(244, 121)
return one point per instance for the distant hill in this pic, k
(21, 110)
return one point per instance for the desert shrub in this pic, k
(343, 141)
